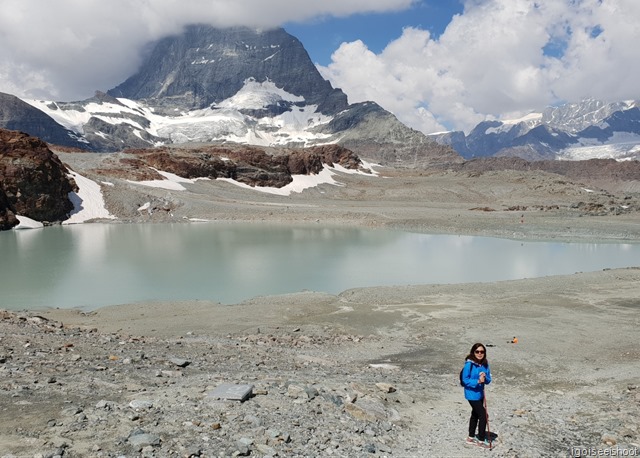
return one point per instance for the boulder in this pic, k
(33, 181)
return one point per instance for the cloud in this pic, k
(66, 49)
(497, 57)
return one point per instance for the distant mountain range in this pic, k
(587, 130)
(222, 86)
(244, 86)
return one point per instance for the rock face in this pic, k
(7, 217)
(33, 181)
(206, 65)
(376, 134)
(18, 115)
(248, 165)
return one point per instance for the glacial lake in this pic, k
(94, 265)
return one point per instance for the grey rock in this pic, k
(232, 392)
(180, 362)
(266, 450)
(141, 439)
(139, 404)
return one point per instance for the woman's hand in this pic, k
(482, 377)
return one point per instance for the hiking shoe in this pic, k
(471, 441)
(484, 444)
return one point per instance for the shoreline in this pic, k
(160, 317)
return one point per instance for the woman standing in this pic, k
(475, 375)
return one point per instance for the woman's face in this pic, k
(479, 353)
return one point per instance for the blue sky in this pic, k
(436, 64)
(322, 36)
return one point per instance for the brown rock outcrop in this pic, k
(7, 217)
(250, 165)
(33, 181)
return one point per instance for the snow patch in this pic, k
(172, 182)
(254, 95)
(302, 182)
(531, 118)
(621, 146)
(27, 223)
(299, 183)
(88, 202)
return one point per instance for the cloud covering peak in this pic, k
(67, 49)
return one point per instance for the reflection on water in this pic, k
(93, 265)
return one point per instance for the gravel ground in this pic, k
(368, 372)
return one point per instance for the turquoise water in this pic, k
(94, 265)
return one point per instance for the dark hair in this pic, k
(472, 356)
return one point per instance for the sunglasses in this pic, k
(479, 351)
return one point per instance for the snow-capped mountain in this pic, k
(586, 130)
(109, 124)
(235, 85)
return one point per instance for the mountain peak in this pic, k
(202, 66)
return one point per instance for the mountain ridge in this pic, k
(591, 129)
(259, 87)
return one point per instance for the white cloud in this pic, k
(66, 49)
(491, 60)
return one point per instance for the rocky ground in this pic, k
(368, 372)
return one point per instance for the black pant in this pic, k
(478, 419)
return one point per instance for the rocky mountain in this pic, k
(239, 86)
(33, 181)
(16, 114)
(588, 130)
(206, 66)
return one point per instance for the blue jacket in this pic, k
(474, 391)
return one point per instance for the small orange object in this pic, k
(515, 340)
